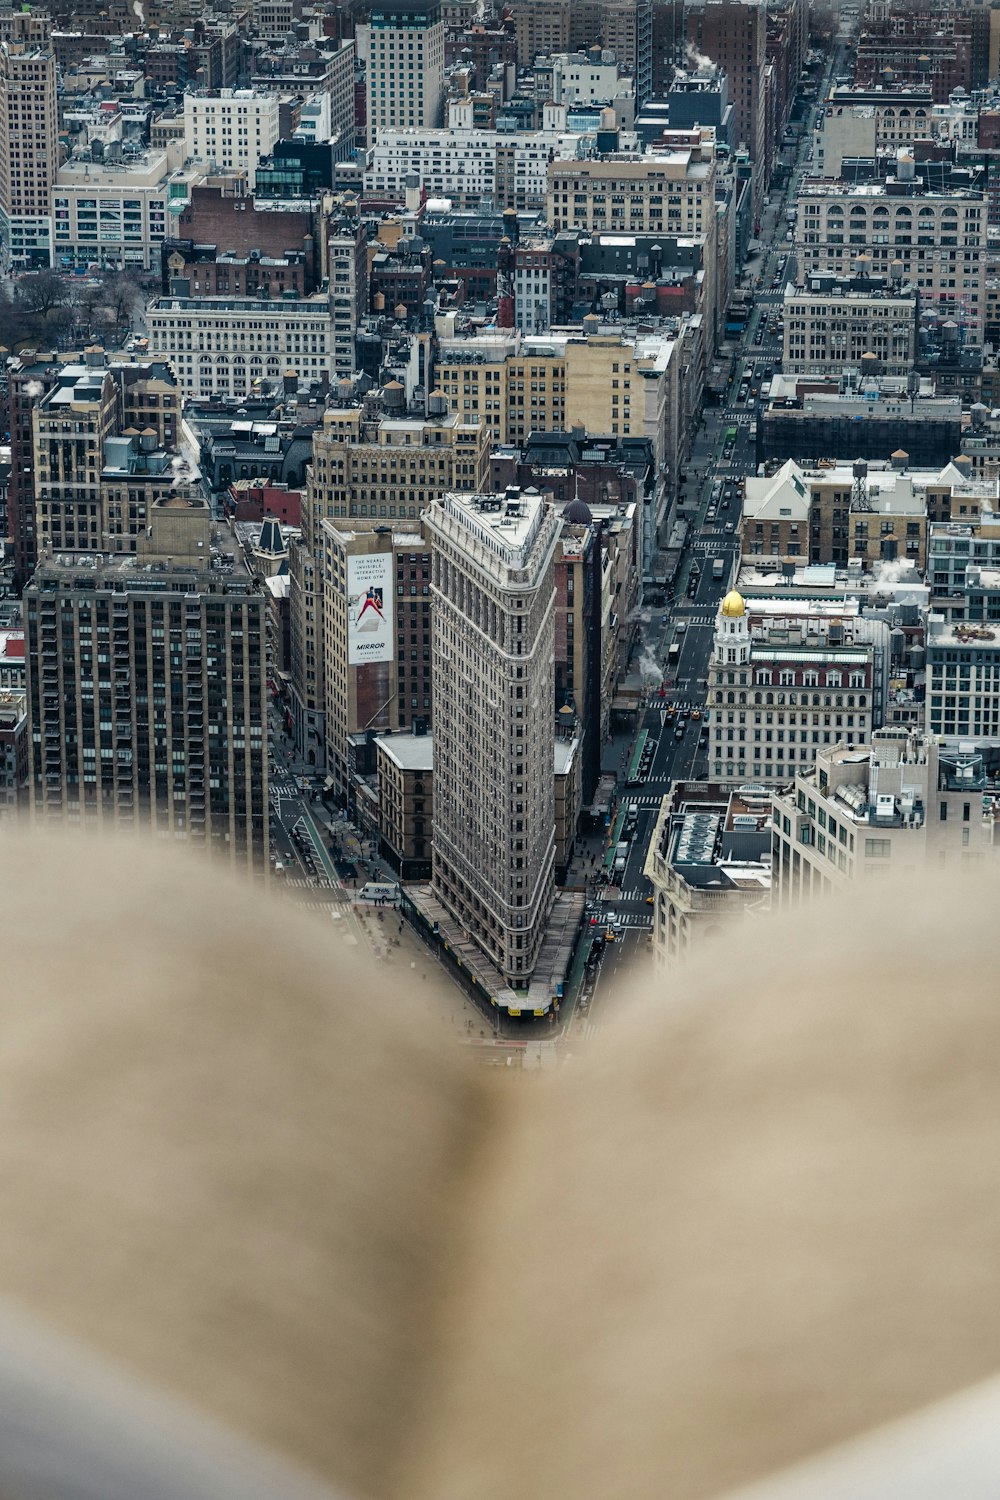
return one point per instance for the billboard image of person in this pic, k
(369, 608)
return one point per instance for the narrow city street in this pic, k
(723, 453)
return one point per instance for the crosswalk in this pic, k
(591, 1029)
(635, 893)
(644, 800)
(319, 883)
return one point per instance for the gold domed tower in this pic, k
(732, 631)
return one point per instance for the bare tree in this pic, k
(41, 291)
(119, 292)
(17, 324)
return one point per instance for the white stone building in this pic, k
(220, 345)
(493, 637)
(115, 212)
(896, 805)
(233, 128)
(471, 168)
(785, 682)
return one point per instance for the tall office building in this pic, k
(376, 638)
(92, 440)
(493, 685)
(29, 153)
(405, 65)
(147, 690)
(733, 34)
(370, 470)
(625, 27)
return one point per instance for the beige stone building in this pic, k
(897, 804)
(606, 379)
(864, 122)
(848, 327)
(542, 27)
(671, 192)
(493, 681)
(71, 424)
(369, 471)
(835, 513)
(933, 240)
(784, 681)
(378, 468)
(105, 436)
(405, 67)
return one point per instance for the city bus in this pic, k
(673, 654)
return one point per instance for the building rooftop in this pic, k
(410, 752)
(962, 633)
(11, 647)
(151, 167)
(274, 307)
(565, 751)
(809, 584)
(721, 844)
(505, 525)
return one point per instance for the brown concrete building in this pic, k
(205, 271)
(387, 689)
(405, 770)
(147, 694)
(945, 43)
(13, 751)
(733, 34)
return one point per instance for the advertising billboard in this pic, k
(369, 608)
